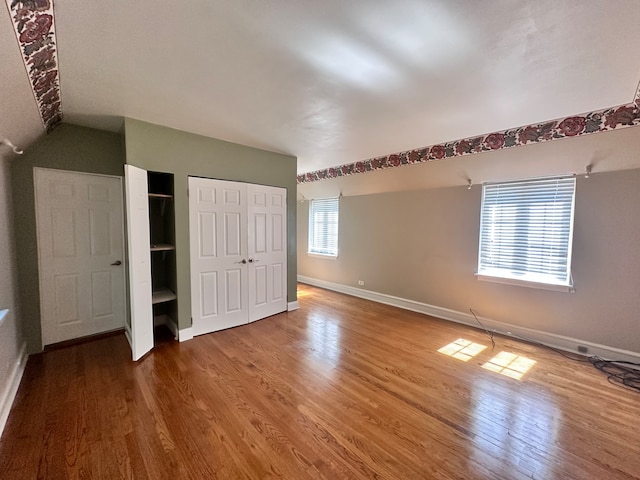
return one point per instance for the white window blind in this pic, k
(526, 230)
(323, 226)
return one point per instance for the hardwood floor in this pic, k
(342, 388)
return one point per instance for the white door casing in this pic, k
(267, 212)
(80, 234)
(218, 243)
(140, 332)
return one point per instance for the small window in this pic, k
(323, 226)
(526, 230)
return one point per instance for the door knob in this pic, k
(243, 261)
(251, 260)
(116, 263)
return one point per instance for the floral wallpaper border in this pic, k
(34, 25)
(598, 121)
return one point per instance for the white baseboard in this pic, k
(185, 334)
(171, 325)
(11, 389)
(180, 335)
(560, 342)
(127, 333)
(293, 306)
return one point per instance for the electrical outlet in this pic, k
(361, 283)
(582, 349)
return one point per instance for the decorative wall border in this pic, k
(34, 25)
(593, 122)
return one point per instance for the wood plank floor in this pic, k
(341, 389)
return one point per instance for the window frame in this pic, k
(320, 250)
(528, 278)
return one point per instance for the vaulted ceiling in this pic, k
(330, 82)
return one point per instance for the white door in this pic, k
(218, 242)
(267, 207)
(140, 332)
(80, 251)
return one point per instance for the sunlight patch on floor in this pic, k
(510, 365)
(462, 349)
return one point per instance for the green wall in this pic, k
(68, 147)
(183, 154)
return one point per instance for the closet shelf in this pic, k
(160, 195)
(162, 295)
(162, 247)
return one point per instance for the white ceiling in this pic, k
(331, 82)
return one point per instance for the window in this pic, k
(323, 226)
(526, 230)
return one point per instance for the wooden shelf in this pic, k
(160, 195)
(162, 247)
(162, 295)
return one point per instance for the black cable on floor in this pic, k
(619, 372)
(575, 358)
(490, 334)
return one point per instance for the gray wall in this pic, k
(68, 147)
(163, 149)
(11, 339)
(422, 246)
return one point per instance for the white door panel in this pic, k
(267, 251)
(238, 254)
(80, 235)
(140, 332)
(218, 240)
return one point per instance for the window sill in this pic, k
(526, 283)
(322, 255)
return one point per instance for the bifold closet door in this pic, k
(218, 241)
(238, 253)
(267, 207)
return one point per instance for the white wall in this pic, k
(11, 340)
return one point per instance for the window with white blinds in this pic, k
(526, 230)
(323, 226)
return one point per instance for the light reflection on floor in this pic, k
(303, 293)
(462, 349)
(325, 341)
(510, 365)
(514, 426)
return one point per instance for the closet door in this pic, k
(267, 212)
(140, 332)
(218, 241)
